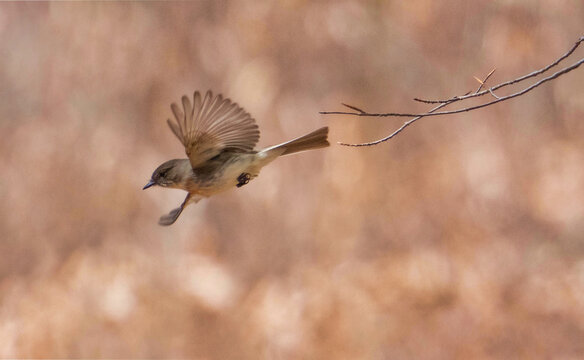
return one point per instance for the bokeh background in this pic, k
(461, 238)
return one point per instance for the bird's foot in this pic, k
(171, 217)
(243, 179)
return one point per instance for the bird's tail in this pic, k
(314, 140)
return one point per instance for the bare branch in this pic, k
(477, 93)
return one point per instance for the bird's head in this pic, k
(169, 174)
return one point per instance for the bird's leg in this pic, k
(171, 217)
(243, 179)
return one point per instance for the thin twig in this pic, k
(456, 98)
(453, 99)
(492, 93)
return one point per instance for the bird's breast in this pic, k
(220, 174)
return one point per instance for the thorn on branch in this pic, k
(482, 82)
(354, 108)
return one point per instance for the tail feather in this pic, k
(315, 140)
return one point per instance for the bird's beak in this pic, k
(150, 183)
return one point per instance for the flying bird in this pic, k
(219, 139)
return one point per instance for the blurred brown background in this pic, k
(461, 238)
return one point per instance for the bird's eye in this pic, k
(163, 173)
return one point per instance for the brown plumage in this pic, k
(219, 139)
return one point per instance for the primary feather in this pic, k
(211, 125)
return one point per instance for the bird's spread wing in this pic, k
(211, 125)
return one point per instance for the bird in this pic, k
(219, 139)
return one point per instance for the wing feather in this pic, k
(211, 124)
